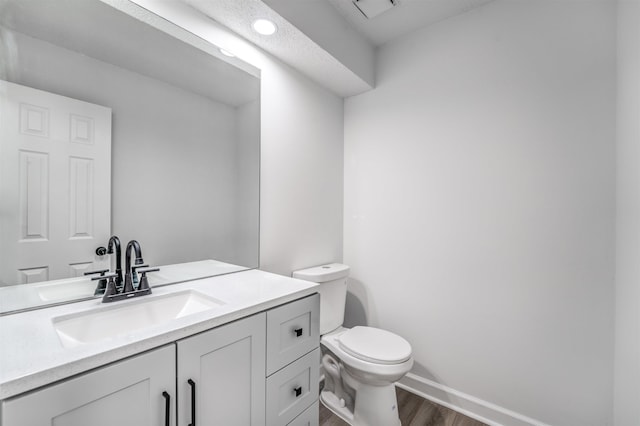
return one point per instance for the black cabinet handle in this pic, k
(167, 408)
(298, 391)
(193, 402)
(298, 332)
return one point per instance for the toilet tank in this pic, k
(332, 279)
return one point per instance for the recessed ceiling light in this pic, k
(264, 27)
(227, 53)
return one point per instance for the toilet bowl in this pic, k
(360, 364)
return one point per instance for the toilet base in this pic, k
(374, 406)
(359, 392)
(336, 406)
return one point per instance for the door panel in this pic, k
(55, 183)
(125, 393)
(227, 367)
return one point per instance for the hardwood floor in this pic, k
(414, 411)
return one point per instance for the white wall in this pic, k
(301, 176)
(479, 208)
(302, 172)
(247, 198)
(627, 352)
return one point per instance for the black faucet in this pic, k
(131, 277)
(131, 287)
(115, 241)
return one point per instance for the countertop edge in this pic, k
(32, 382)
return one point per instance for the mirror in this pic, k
(117, 123)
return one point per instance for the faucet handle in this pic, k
(100, 271)
(110, 290)
(135, 267)
(102, 284)
(104, 277)
(103, 280)
(144, 283)
(134, 273)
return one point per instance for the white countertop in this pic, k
(32, 355)
(37, 295)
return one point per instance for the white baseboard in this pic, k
(468, 405)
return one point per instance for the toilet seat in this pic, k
(375, 345)
(331, 341)
(370, 361)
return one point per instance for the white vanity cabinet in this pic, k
(222, 372)
(261, 370)
(135, 391)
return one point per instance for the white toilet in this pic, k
(360, 364)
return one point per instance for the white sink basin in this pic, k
(58, 291)
(121, 319)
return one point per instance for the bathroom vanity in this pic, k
(237, 349)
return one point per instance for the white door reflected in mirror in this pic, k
(55, 184)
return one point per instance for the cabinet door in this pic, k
(221, 375)
(128, 392)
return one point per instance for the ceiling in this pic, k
(290, 44)
(404, 18)
(330, 41)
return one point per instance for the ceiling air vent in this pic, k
(372, 8)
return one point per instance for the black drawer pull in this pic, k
(298, 332)
(298, 391)
(193, 402)
(167, 408)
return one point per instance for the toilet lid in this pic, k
(375, 345)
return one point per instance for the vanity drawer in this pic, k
(292, 331)
(309, 417)
(293, 389)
